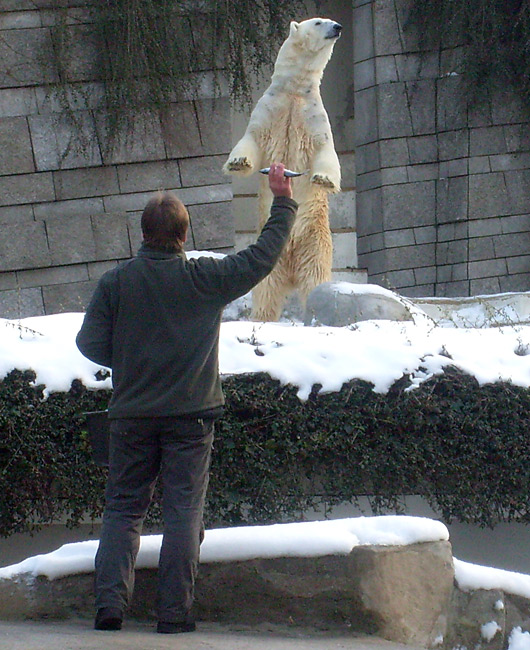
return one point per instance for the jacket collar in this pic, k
(156, 254)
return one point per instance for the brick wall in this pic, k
(68, 213)
(443, 188)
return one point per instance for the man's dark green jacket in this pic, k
(155, 320)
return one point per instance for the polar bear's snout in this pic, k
(334, 31)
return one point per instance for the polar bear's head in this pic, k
(315, 34)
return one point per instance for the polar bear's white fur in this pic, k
(289, 124)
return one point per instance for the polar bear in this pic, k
(289, 124)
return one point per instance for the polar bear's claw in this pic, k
(239, 164)
(325, 181)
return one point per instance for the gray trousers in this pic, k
(178, 451)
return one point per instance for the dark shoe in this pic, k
(108, 618)
(163, 627)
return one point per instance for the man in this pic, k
(155, 321)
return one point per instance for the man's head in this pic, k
(165, 222)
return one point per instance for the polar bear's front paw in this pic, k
(325, 181)
(242, 164)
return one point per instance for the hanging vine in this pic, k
(149, 53)
(495, 35)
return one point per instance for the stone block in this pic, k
(519, 264)
(509, 161)
(20, 20)
(386, 28)
(82, 183)
(245, 213)
(149, 176)
(517, 137)
(485, 227)
(344, 250)
(518, 186)
(479, 165)
(386, 69)
(422, 149)
(413, 66)
(8, 280)
(422, 106)
(451, 109)
(366, 126)
(364, 74)
(142, 141)
(399, 279)
(206, 170)
(451, 199)
(487, 269)
(453, 252)
(488, 196)
(454, 289)
(62, 298)
(424, 275)
(363, 36)
(393, 175)
(72, 208)
(369, 212)
(410, 257)
(516, 223)
(484, 286)
(97, 269)
(453, 144)
(52, 275)
(24, 246)
(26, 188)
(403, 237)
(394, 115)
(452, 231)
(80, 97)
(372, 243)
(348, 165)
(16, 214)
(452, 272)
(21, 303)
(425, 235)
(450, 168)
(395, 152)
(23, 54)
(16, 156)
(342, 207)
(481, 248)
(371, 180)
(516, 282)
(60, 143)
(408, 205)
(212, 226)
(135, 230)
(366, 159)
(71, 240)
(486, 141)
(205, 194)
(507, 106)
(512, 244)
(16, 102)
(427, 172)
(197, 129)
(111, 236)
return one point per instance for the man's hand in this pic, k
(280, 185)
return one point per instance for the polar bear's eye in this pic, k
(319, 22)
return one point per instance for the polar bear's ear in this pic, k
(294, 28)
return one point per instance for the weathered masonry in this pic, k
(435, 194)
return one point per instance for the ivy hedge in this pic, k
(462, 446)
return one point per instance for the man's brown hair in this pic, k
(165, 222)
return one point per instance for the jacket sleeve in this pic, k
(94, 339)
(234, 275)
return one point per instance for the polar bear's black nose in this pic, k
(337, 28)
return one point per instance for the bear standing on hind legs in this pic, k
(289, 124)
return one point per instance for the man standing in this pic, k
(155, 320)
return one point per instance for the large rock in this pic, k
(401, 593)
(343, 303)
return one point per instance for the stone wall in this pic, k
(443, 187)
(68, 213)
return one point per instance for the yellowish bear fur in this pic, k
(289, 124)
